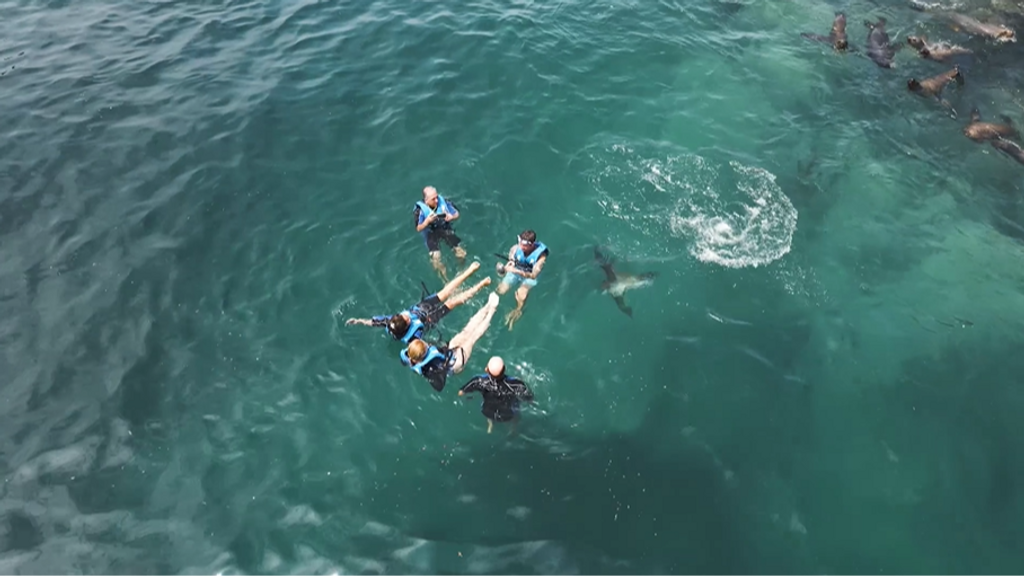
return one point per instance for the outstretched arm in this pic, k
(375, 322)
(471, 386)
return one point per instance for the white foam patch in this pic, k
(732, 215)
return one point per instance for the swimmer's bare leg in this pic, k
(435, 261)
(445, 293)
(514, 315)
(462, 343)
(463, 297)
(460, 254)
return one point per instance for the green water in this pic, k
(823, 378)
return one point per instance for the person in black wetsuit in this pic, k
(501, 393)
(415, 321)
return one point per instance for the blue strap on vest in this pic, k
(442, 209)
(432, 354)
(526, 263)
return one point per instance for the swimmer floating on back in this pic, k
(501, 393)
(435, 362)
(415, 321)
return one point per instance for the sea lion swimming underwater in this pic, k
(1011, 149)
(616, 284)
(981, 131)
(997, 32)
(836, 37)
(939, 52)
(880, 49)
(932, 87)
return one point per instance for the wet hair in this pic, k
(398, 325)
(529, 236)
(417, 351)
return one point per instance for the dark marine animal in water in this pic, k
(1011, 149)
(932, 87)
(836, 37)
(880, 48)
(616, 284)
(998, 32)
(981, 131)
(939, 52)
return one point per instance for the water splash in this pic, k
(732, 215)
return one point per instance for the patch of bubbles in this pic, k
(731, 214)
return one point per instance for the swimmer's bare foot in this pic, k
(486, 281)
(492, 298)
(490, 425)
(474, 266)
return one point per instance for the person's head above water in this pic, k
(430, 196)
(527, 240)
(417, 350)
(398, 325)
(495, 366)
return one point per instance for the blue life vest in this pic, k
(443, 207)
(526, 263)
(415, 326)
(432, 354)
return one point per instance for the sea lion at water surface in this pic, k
(932, 87)
(980, 131)
(939, 52)
(880, 49)
(836, 37)
(997, 32)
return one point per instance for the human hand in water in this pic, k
(352, 321)
(512, 317)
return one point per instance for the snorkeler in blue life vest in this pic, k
(436, 361)
(433, 217)
(414, 322)
(501, 393)
(525, 260)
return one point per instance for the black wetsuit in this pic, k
(501, 395)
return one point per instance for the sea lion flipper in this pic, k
(975, 115)
(1007, 120)
(605, 264)
(621, 303)
(945, 103)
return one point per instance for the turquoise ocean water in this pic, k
(194, 196)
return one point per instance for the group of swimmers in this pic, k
(435, 361)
